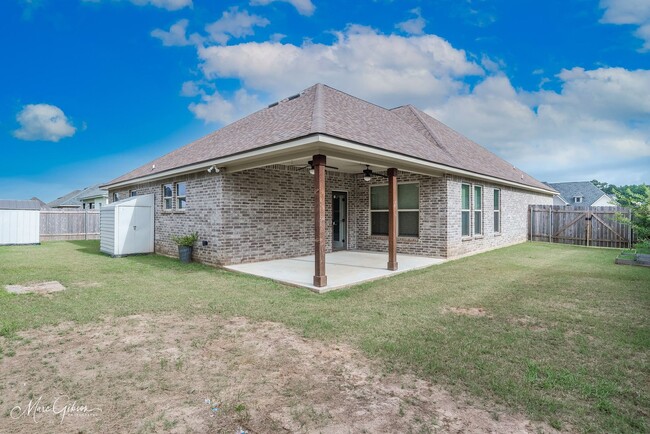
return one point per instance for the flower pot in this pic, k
(185, 254)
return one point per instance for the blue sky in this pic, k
(90, 89)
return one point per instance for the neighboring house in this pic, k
(89, 198)
(323, 171)
(93, 198)
(69, 201)
(582, 193)
(42, 204)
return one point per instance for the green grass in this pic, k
(566, 337)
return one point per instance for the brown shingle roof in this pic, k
(322, 109)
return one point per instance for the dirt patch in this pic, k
(36, 288)
(468, 311)
(206, 374)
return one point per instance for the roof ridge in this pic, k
(318, 115)
(434, 136)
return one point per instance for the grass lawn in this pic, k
(557, 332)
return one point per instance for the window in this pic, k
(408, 210)
(478, 210)
(168, 199)
(497, 210)
(91, 205)
(116, 197)
(181, 201)
(464, 209)
(133, 193)
(83, 205)
(577, 199)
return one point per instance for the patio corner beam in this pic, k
(392, 219)
(320, 278)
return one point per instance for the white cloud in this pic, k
(43, 122)
(215, 108)
(236, 24)
(175, 37)
(634, 12)
(170, 5)
(414, 26)
(304, 7)
(598, 122)
(387, 69)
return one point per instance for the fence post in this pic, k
(588, 226)
(550, 223)
(85, 224)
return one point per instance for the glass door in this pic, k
(339, 220)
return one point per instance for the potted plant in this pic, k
(185, 245)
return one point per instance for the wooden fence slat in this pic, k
(69, 225)
(587, 226)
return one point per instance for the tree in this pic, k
(637, 199)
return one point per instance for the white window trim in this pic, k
(577, 199)
(164, 198)
(497, 212)
(474, 211)
(177, 197)
(468, 210)
(398, 210)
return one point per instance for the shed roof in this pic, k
(321, 109)
(20, 204)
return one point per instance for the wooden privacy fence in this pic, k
(586, 226)
(69, 225)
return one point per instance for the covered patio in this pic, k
(345, 268)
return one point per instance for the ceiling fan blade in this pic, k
(332, 167)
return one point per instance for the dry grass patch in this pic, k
(165, 373)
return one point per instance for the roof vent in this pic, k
(285, 100)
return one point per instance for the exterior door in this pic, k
(339, 220)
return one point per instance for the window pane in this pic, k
(478, 200)
(497, 223)
(167, 190)
(180, 189)
(379, 223)
(477, 223)
(168, 204)
(464, 196)
(408, 196)
(497, 201)
(182, 203)
(465, 223)
(408, 223)
(379, 197)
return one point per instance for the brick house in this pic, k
(323, 171)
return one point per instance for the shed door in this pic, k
(135, 230)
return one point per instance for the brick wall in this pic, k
(433, 218)
(267, 213)
(514, 216)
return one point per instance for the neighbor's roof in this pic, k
(73, 199)
(70, 199)
(20, 204)
(321, 109)
(585, 189)
(92, 192)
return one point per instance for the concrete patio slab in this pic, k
(344, 268)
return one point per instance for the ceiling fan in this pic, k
(310, 165)
(368, 174)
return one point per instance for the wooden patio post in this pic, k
(392, 219)
(320, 278)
